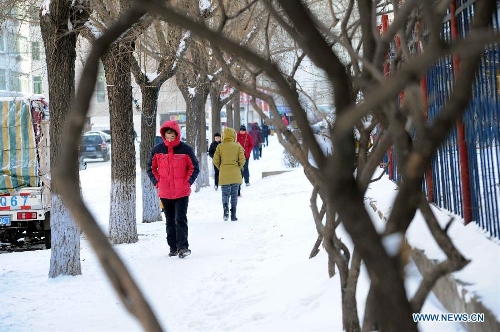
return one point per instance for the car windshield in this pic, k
(92, 139)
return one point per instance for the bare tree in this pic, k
(60, 51)
(228, 21)
(121, 280)
(60, 45)
(194, 84)
(229, 111)
(343, 193)
(117, 66)
(236, 110)
(171, 45)
(200, 75)
(334, 177)
(218, 98)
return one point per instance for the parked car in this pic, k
(95, 144)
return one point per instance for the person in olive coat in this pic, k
(229, 158)
(211, 152)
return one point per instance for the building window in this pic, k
(19, 82)
(18, 44)
(101, 86)
(2, 44)
(35, 50)
(13, 46)
(34, 17)
(37, 84)
(14, 12)
(3, 81)
(15, 82)
(14, 16)
(24, 79)
(22, 46)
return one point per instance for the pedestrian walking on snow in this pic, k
(257, 141)
(246, 142)
(211, 152)
(265, 133)
(172, 168)
(229, 158)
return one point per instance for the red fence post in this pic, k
(428, 172)
(462, 147)
(401, 95)
(387, 71)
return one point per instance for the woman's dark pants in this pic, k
(177, 223)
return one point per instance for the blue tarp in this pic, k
(18, 160)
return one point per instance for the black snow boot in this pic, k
(183, 252)
(233, 213)
(173, 252)
(226, 211)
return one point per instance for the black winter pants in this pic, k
(177, 223)
(216, 176)
(244, 172)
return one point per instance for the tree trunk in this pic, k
(122, 212)
(369, 322)
(60, 58)
(349, 303)
(150, 202)
(195, 89)
(201, 153)
(216, 107)
(65, 251)
(236, 112)
(229, 115)
(195, 130)
(338, 253)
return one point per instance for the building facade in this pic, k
(22, 59)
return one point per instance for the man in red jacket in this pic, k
(246, 142)
(173, 168)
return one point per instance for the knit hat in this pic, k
(242, 127)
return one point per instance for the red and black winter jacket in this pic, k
(172, 166)
(246, 142)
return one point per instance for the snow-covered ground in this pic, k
(249, 275)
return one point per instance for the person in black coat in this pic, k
(211, 152)
(265, 133)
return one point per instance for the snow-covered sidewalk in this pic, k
(249, 275)
(478, 281)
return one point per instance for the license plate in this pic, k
(4, 221)
(90, 148)
(18, 202)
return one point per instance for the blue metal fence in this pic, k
(483, 140)
(446, 164)
(482, 128)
